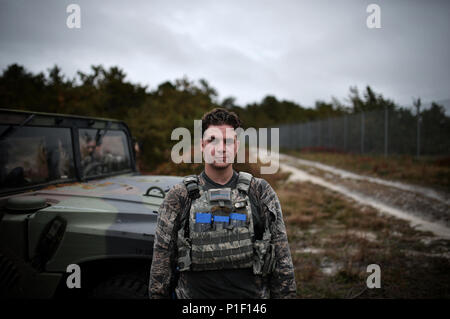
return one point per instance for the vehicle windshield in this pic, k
(35, 155)
(103, 152)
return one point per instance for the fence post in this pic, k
(307, 134)
(310, 140)
(345, 132)
(386, 122)
(320, 133)
(329, 133)
(291, 130)
(362, 132)
(417, 104)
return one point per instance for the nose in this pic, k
(222, 147)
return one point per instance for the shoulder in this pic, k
(176, 195)
(266, 196)
(178, 190)
(261, 188)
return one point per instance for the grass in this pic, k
(333, 240)
(425, 171)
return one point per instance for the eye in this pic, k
(212, 140)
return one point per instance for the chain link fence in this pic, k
(375, 132)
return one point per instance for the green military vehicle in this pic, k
(76, 217)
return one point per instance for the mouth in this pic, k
(223, 159)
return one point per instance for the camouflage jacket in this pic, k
(280, 284)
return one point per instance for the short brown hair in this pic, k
(220, 116)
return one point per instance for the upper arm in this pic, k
(168, 217)
(271, 207)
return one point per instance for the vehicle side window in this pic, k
(34, 155)
(103, 153)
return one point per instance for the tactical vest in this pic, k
(219, 231)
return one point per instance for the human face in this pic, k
(219, 146)
(90, 147)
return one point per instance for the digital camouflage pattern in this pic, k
(219, 248)
(280, 284)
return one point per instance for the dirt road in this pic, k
(426, 209)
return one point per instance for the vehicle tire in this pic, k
(128, 286)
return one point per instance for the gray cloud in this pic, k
(297, 50)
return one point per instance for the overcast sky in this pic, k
(296, 50)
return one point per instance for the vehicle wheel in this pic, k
(128, 286)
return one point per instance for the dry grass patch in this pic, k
(333, 240)
(426, 171)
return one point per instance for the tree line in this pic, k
(152, 113)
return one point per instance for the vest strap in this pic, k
(244, 181)
(191, 183)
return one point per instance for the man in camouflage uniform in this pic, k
(274, 278)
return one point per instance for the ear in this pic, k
(202, 145)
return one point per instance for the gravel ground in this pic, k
(426, 208)
(412, 202)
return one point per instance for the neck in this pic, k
(219, 176)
